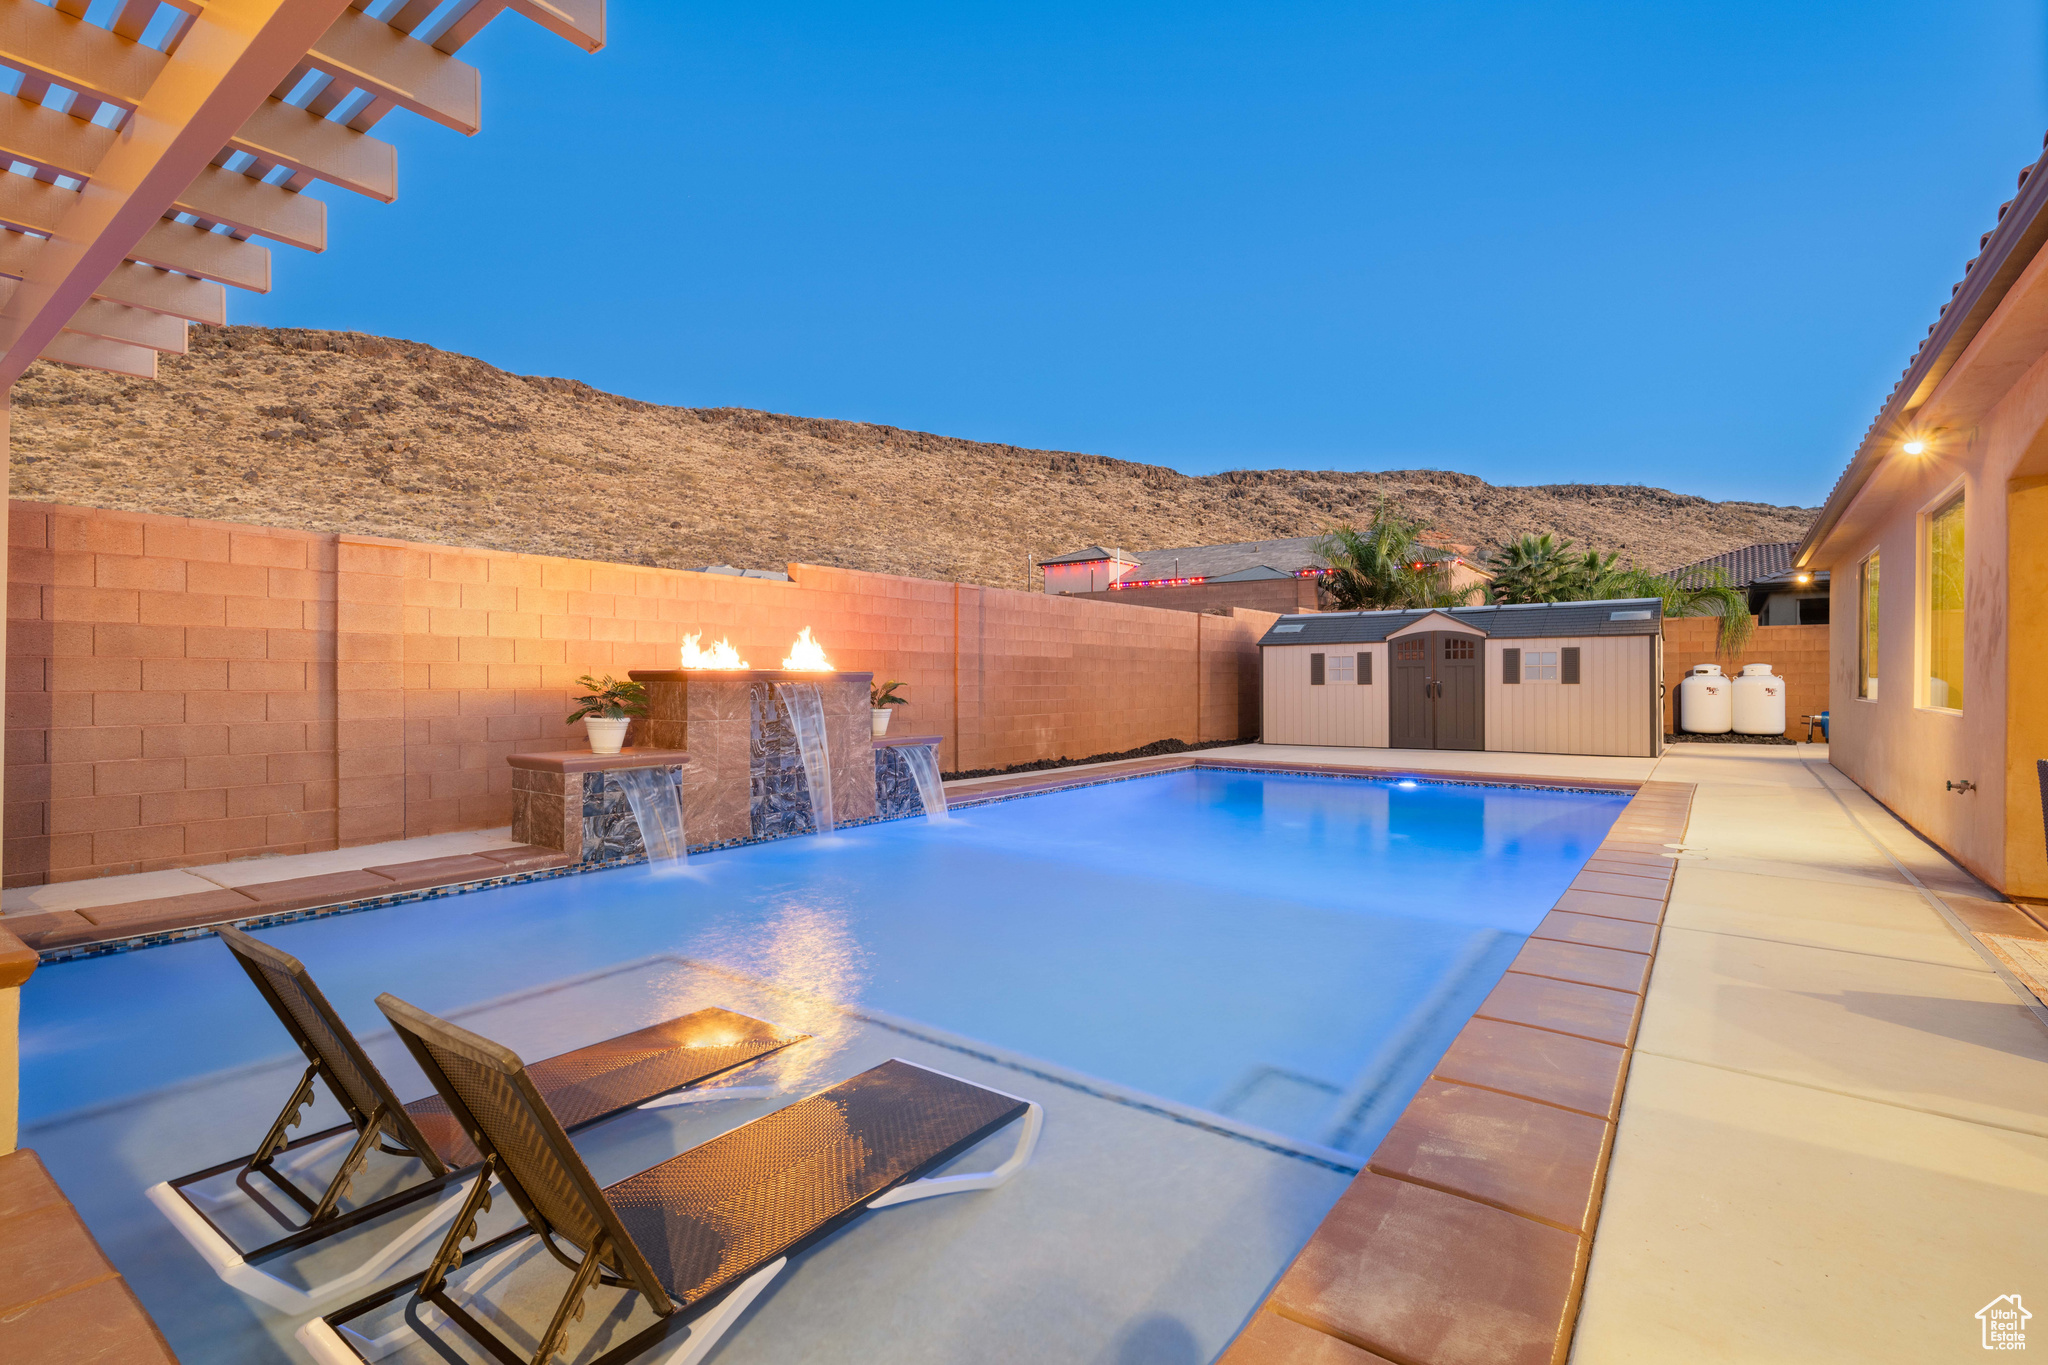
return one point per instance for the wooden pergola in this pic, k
(156, 145)
(153, 147)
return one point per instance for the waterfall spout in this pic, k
(807, 719)
(923, 762)
(658, 808)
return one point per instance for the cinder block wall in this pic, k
(1798, 654)
(183, 692)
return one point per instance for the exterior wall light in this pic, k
(1915, 447)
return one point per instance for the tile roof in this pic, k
(1093, 554)
(2003, 253)
(1538, 620)
(1743, 566)
(1216, 561)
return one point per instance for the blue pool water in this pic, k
(1290, 951)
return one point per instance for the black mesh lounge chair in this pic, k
(697, 1237)
(648, 1068)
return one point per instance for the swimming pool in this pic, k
(1290, 952)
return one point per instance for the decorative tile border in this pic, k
(157, 938)
(1149, 768)
(1156, 767)
(1466, 1238)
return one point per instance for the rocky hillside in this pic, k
(345, 432)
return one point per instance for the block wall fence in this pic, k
(1798, 654)
(183, 692)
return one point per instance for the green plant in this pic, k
(608, 699)
(1542, 569)
(1385, 565)
(884, 694)
(1534, 569)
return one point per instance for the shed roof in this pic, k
(1620, 616)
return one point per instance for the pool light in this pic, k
(1406, 783)
(720, 655)
(807, 655)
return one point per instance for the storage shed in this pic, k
(1547, 678)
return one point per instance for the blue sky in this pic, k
(1682, 245)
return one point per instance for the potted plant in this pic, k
(607, 709)
(882, 696)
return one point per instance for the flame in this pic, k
(720, 655)
(807, 655)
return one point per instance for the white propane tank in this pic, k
(1759, 701)
(1706, 701)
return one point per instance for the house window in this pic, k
(1341, 666)
(1539, 665)
(1945, 605)
(1866, 631)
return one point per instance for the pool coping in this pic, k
(1466, 1239)
(179, 918)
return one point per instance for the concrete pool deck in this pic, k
(1833, 1141)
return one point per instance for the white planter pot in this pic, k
(606, 736)
(881, 715)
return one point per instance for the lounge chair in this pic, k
(648, 1068)
(697, 1237)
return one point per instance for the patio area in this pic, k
(1836, 1115)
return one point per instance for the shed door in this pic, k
(1410, 708)
(1460, 692)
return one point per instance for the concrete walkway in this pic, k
(142, 886)
(1834, 1140)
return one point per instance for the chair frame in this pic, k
(187, 1208)
(614, 1245)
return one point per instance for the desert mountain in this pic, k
(334, 431)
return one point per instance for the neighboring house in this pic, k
(1085, 571)
(1936, 535)
(1779, 595)
(1268, 575)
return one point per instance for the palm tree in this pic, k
(1385, 566)
(1704, 592)
(1532, 569)
(1540, 569)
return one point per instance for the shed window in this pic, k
(1945, 606)
(1458, 647)
(1414, 647)
(1340, 667)
(1539, 665)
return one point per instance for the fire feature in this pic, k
(720, 655)
(806, 655)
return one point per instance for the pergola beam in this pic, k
(249, 205)
(320, 148)
(234, 53)
(369, 54)
(84, 57)
(139, 286)
(94, 353)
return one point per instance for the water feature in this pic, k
(923, 762)
(807, 718)
(658, 808)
